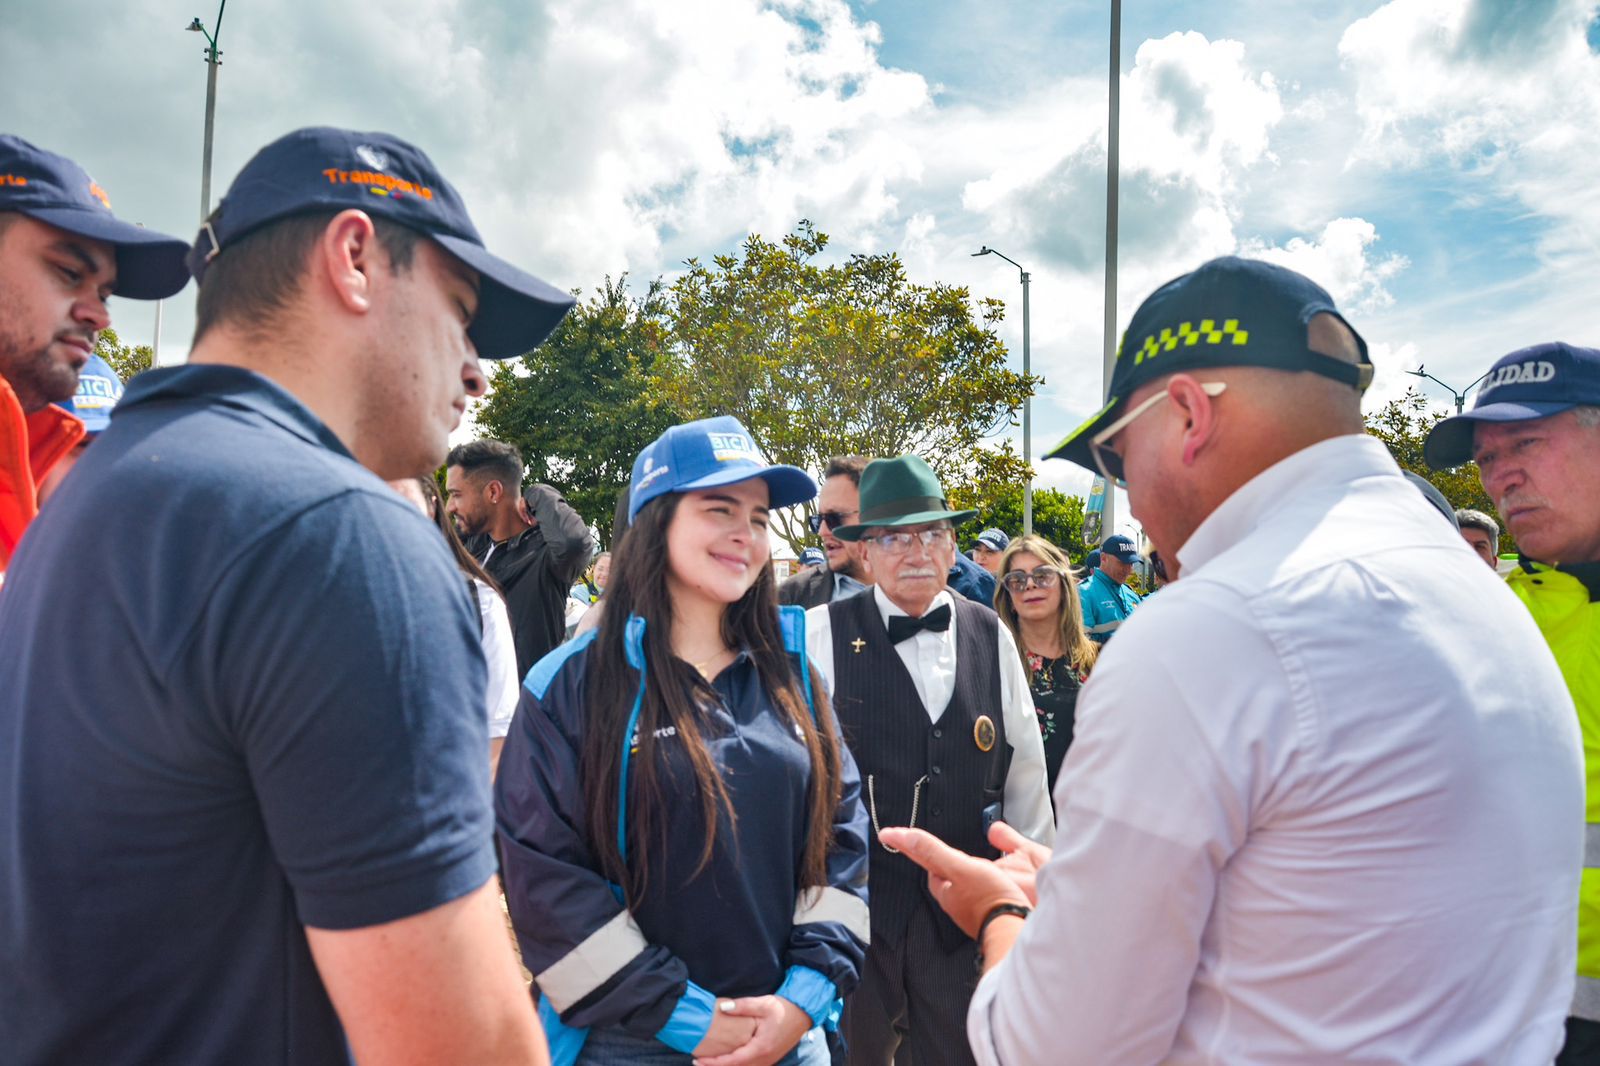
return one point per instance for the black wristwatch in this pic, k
(983, 927)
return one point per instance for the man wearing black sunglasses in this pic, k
(838, 504)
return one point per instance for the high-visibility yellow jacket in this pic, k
(1568, 614)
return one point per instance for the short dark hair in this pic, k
(850, 466)
(260, 273)
(499, 460)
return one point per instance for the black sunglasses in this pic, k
(835, 519)
(1044, 577)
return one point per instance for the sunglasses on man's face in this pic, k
(1044, 577)
(834, 519)
(1107, 459)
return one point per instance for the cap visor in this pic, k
(853, 533)
(1449, 443)
(1075, 449)
(786, 485)
(516, 311)
(149, 264)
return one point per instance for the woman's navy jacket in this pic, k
(740, 927)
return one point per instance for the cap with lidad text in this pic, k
(1120, 547)
(99, 389)
(1228, 312)
(325, 169)
(52, 189)
(1530, 383)
(994, 539)
(706, 454)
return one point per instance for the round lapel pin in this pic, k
(983, 732)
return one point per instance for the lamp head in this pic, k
(985, 250)
(195, 26)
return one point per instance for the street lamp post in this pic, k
(213, 61)
(1113, 139)
(1027, 401)
(1461, 395)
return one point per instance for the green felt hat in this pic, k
(900, 492)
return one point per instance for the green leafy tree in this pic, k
(581, 406)
(1403, 425)
(126, 359)
(852, 358)
(1057, 518)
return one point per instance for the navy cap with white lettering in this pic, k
(1227, 312)
(326, 169)
(1530, 383)
(52, 189)
(709, 453)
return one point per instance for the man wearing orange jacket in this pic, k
(62, 254)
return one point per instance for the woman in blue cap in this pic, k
(684, 842)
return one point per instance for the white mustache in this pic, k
(920, 571)
(1512, 500)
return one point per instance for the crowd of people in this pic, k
(286, 731)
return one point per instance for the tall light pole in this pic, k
(1109, 356)
(1461, 395)
(213, 61)
(1027, 401)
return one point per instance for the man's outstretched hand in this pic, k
(967, 888)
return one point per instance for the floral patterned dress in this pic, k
(1055, 684)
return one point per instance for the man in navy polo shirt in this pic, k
(253, 826)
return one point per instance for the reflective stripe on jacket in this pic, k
(1106, 605)
(1568, 614)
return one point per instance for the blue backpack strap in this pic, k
(792, 624)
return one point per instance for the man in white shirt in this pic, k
(931, 697)
(1315, 811)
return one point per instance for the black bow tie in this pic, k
(904, 627)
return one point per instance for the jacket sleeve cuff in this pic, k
(809, 990)
(690, 1021)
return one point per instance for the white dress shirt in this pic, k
(930, 659)
(1324, 803)
(505, 687)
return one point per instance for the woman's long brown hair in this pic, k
(673, 693)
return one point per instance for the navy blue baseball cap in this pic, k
(99, 389)
(994, 539)
(52, 189)
(325, 169)
(708, 453)
(1529, 383)
(1228, 312)
(1120, 547)
(813, 557)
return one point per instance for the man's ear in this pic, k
(1198, 412)
(493, 490)
(347, 253)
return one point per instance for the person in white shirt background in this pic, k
(494, 621)
(1315, 810)
(933, 700)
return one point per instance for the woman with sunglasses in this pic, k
(684, 843)
(1037, 599)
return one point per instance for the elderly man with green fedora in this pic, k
(933, 700)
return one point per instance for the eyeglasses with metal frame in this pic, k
(1044, 577)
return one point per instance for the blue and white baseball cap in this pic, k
(326, 169)
(1530, 383)
(52, 189)
(1120, 547)
(99, 389)
(708, 453)
(813, 557)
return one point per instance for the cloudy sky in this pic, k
(1431, 162)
